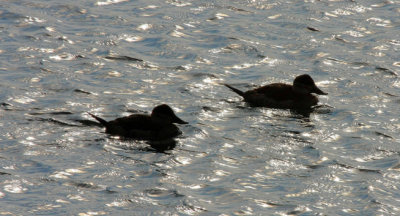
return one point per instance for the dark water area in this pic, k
(60, 60)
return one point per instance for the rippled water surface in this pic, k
(62, 59)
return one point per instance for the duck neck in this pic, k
(300, 91)
(160, 121)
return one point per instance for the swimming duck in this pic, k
(283, 96)
(157, 126)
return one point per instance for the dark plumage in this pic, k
(283, 96)
(157, 126)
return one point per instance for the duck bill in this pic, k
(178, 120)
(318, 91)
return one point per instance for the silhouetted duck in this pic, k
(157, 126)
(284, 96)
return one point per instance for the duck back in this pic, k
(135, 121)
(140, 126)
(279, 95)
(276, 91)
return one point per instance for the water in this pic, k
(60, 60)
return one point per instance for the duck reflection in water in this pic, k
(284, 96)
(161, 145)
(158, 128)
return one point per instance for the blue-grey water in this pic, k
(62, 59)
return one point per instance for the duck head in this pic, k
(304, 84)
(164, 113)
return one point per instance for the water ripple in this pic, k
(60, 60)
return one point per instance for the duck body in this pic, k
(279, 95)
(157, 126)
(283, 96)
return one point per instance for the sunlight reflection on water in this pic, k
(60, 60)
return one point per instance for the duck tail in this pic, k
(237, 91)
(102, 121)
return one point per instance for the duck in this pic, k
(159, 125)
(283, 96)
